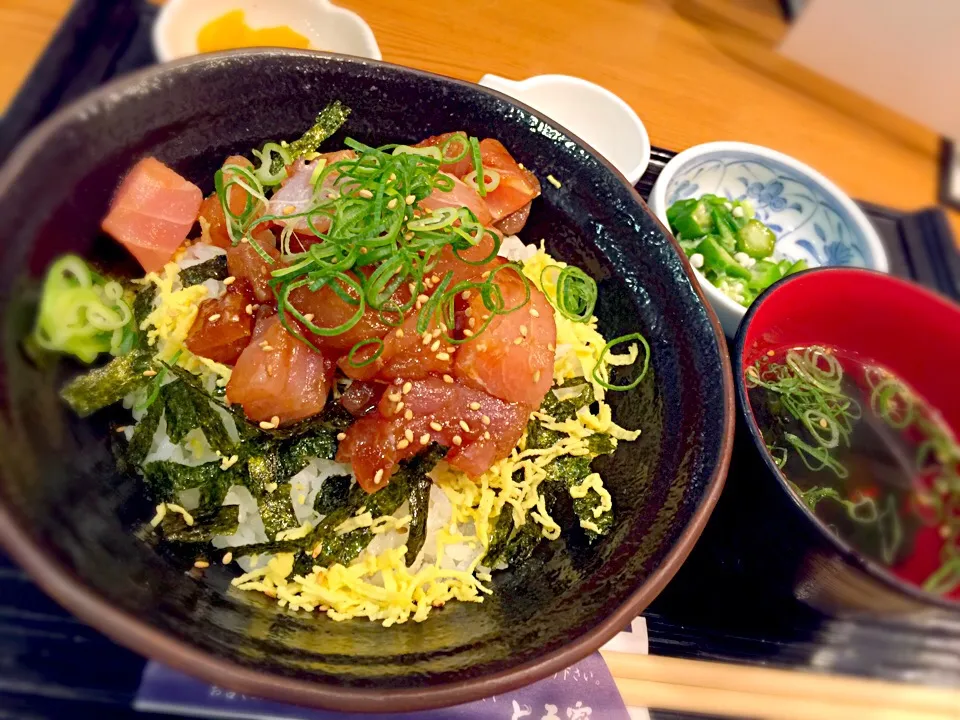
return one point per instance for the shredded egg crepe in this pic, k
(379, 586)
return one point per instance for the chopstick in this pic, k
(743, 691)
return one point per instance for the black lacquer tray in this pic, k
(717, 608)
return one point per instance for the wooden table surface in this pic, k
(695, 71)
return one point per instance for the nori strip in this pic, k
(419, 505)
(181, 410)
(165, 478)
(497, 542)
(143, 433)
(333, 494)
(276, 509)
(567, 471)
(142, 307)
(205, 527)
(601, 444)
(211, 423)
(523, 542)
(330, 119)
(295, 454)
(100, 387)
(566, 409)
(213, 269)
(263, 466)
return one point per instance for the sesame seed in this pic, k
(228, 558)
(518, 341)
(486, 435)
(482, 347)
(408, 434)
(266, 425)
(363, 251)
(149, 373)
(423, 298)
(436, 426)
(534, 313)
(275, 421)
(523, 330)
(410, 199)
(408, 236)
(466, 294)
(121, 428)
(468, 312)
(485, 419)
(425, 438)
(474, 406)
(823, 422)
(412, 288)
(463, 424)
(485, 275)
(472, 322)
(341, 436)
(399, 408)
(289, 209)
(399, 332)
(435, 346)
(408, 415)
(443, 356)
(403, 444)
(435, 278)
(365, 193)
(229, 280)
(770, 353)
(427, 337)
(457, 440)
(201, 564)
(393, 177)
(551, 347)
(435, 333)
(214, 317)
(407, 387)
(392, 204)
(447, 379)
(378, 477)
(536, 376)
(308, 317)
(249, 309)
(467, 332)
(267, 348)
(394, 397)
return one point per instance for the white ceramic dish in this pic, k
(813, 219)
(327, 26)
(599, 117)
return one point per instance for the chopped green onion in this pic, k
(632, 337)
(377, 342)
(491, 180)
(478, 166)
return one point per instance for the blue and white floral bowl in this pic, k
(813, 219)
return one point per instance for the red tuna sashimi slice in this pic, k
(513, 357)
(462, 195)
(223, 327)
(460, 167)
(329, 310)
(405, 354)
(277, 376)
(297, 193)
(478, 429)
(517, 186)
(152, 212)
(245, 263)
(211, 211)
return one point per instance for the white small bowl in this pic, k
(600, 118)
(813, 219)
(325, 25)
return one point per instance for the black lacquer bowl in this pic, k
(70, 518)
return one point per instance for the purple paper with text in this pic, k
(584, 691)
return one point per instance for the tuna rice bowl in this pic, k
(345, 372)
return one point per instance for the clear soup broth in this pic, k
(868, 455)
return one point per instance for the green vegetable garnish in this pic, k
(82, 313)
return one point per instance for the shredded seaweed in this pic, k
(213, 269)
(142, 437)
(333, 494)
(296, 453)
(276, 509)
(567, 471)
(204, 528)
(419, 500)
(330, 119)
(164, 479)
(104, 386)
(567, 409)
(180, 409)
(499, 537)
